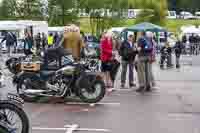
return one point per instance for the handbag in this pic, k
(115, 64)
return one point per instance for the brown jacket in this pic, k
(73, 42)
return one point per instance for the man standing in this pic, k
(38, 41)
(10, 40)
(50, 40)
(73, 40)
(128, 53)
(144, 57)
(178, 50)
(44, 40)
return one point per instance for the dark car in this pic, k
(92, 42)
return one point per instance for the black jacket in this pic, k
(10, 38)
(166, 50)
(178, 48)
(128, 53)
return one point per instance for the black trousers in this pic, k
(52, 54)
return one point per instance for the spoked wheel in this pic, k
(14, 119)
(94, 94)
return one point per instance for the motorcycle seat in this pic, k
(47, 73)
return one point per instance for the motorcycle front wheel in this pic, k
(94, 94)
(10, 114)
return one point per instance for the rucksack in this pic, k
(147, 46)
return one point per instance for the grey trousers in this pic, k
(152, 79)
(131, 65)
(178, 60)
(145, 75)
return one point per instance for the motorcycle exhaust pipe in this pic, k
(31, 91)
(39, 93)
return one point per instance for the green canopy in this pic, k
(146, 27)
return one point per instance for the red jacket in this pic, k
(106, 50)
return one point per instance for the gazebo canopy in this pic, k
(142, 27)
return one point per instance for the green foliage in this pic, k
(191, 5)
(153, 11)
(21, 9)
(61, 12)
(100, 22)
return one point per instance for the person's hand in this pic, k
(139, 49)
(113, 53)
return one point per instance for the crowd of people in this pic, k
(191, 43)
(40, 41)
(135, 54)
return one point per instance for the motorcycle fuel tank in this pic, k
(68, 70)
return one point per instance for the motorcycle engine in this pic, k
(60, 83)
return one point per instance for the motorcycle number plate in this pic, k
(15, 98)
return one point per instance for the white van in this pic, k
(187, 15)
(172, 15)
(197, 15)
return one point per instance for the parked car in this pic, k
(197, 14)
(187, 15)
(20, 45)
(3, 46)
(91, 41)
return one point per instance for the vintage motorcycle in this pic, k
(72, 79)
(13, 119)
(14, 63)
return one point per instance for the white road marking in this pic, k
(71, 128)
(125, 90)
(93, 104)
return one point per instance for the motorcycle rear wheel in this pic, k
(85, 95)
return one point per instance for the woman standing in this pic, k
(28, 44)
(106, 58)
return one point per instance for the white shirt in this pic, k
(131, 44)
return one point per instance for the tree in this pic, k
(186, 5)
(100, 18)
(21, 9)
(8, 9)
(154, 11)
(61, 12)
(31, 9)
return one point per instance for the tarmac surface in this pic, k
(172, 108)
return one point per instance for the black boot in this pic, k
(161, 66)
(177, 66)
(148, 88)
(140, 89)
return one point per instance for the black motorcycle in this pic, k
(72, 79)
(13, 119)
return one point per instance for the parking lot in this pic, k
(172, 108)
